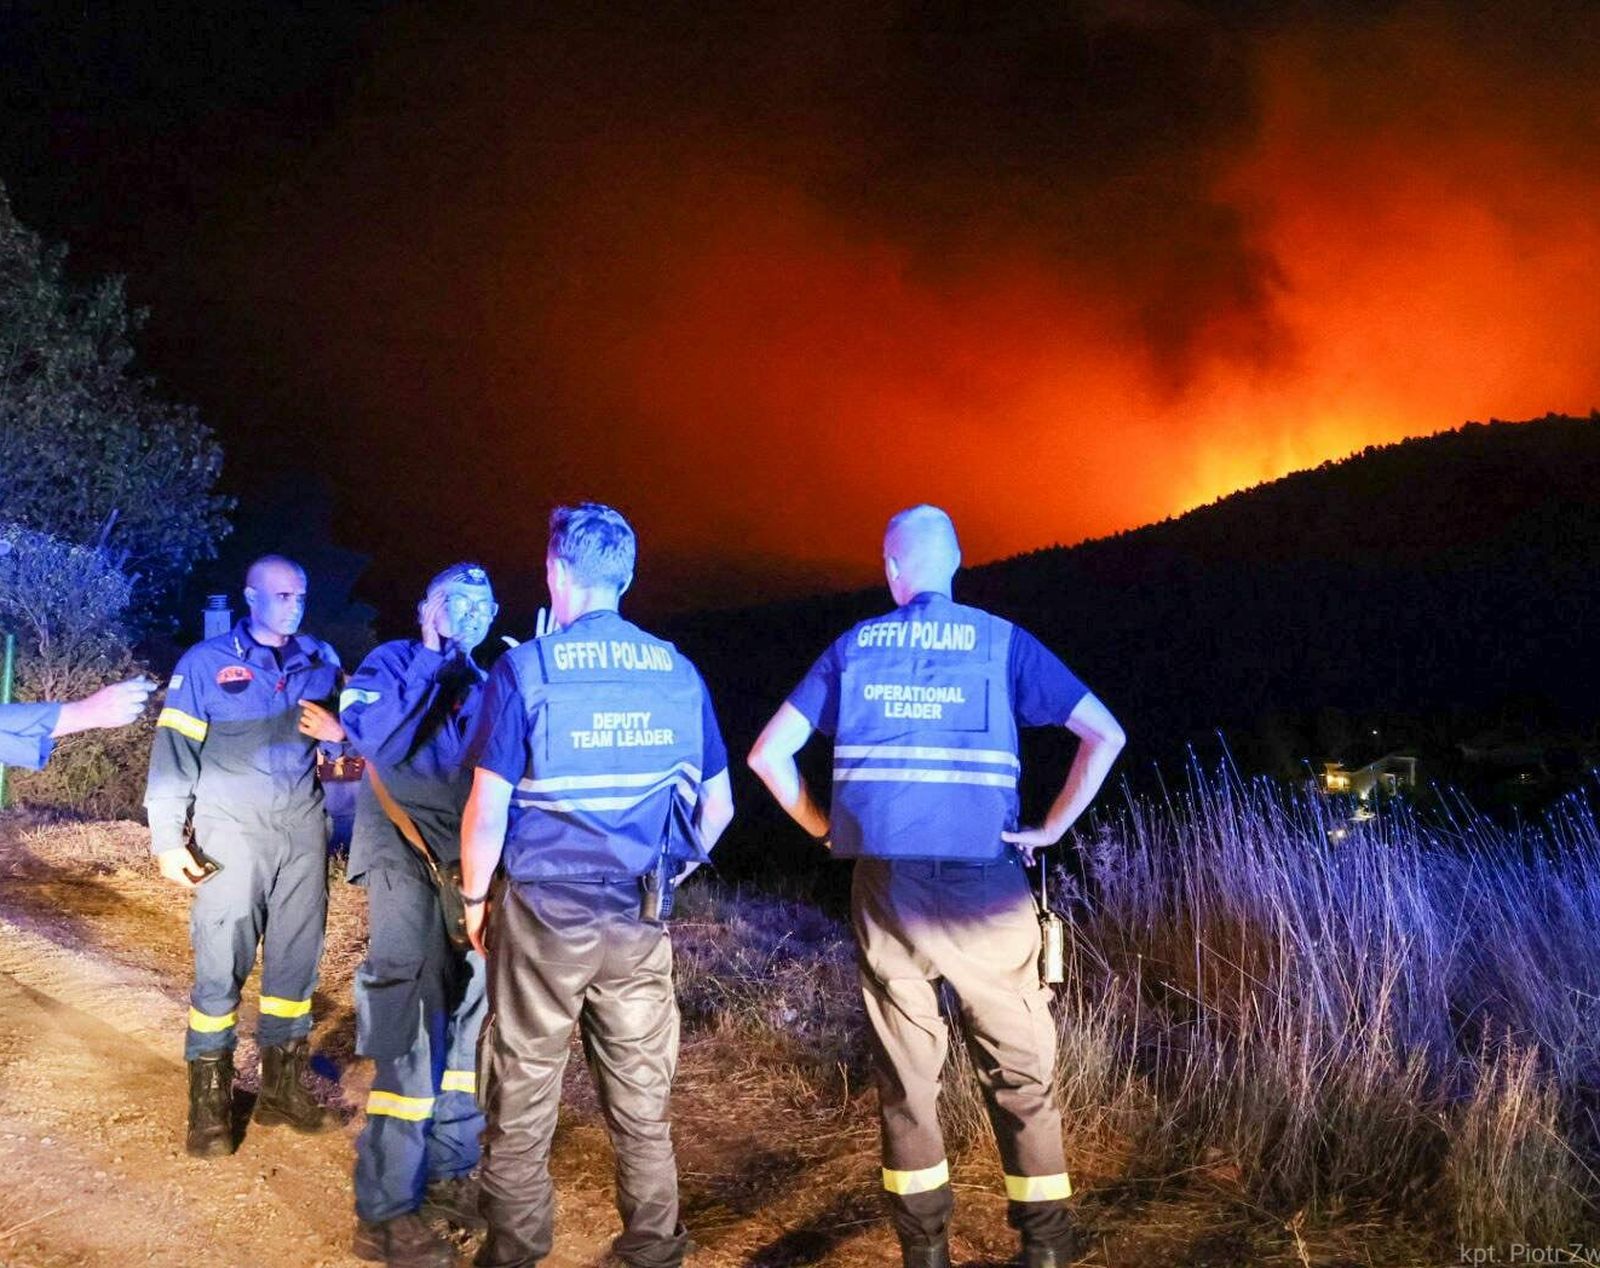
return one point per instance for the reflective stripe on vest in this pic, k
(925, 759)
(606, 792)
(614, 752)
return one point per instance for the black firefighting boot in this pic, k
(210, 1106)
(405, 1241)
(1058, 1254)
(283, 1099)
(456, 1200)
(925, 1254)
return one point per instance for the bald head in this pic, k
(275, 592)
(920, 552)
(270, 569)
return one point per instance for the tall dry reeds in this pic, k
(1379, 1013)
(1385, 1016)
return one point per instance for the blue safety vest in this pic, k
(925, 756)
(614, 751)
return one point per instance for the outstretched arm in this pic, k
(772, 759)
(116, 705)
(1101, 739)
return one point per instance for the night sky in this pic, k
(761, 274)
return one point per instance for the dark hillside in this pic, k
(1440, 592)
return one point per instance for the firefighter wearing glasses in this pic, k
(923, 705)
(409, 710)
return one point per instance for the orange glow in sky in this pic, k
(799, 377)
(762, 338)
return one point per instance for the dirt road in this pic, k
(93, 977)
(94, 969)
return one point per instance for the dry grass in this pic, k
(1401, 1020)
(1401, 1025)
(772, 967)
(1393, 1035)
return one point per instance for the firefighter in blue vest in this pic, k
(409, 711)
(28, 732)
(923, 705)
(235, 755)
(600, 773)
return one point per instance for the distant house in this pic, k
(1384, 777)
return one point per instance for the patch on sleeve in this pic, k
(177, 681)
(352, 696)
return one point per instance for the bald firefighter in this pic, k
(601, 773)
(409, 710)
(923, 705)
(235, 755)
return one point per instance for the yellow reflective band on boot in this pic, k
(209, 1025)
(1057, 1188)
(273, 1006)
(183, 724)
(459, 1081)
(393, 1105)
(905, 1183)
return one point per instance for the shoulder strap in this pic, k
(403, 822)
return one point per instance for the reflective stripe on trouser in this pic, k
(272, 892)
(562, 953)
(419, 1006)
(975, 927)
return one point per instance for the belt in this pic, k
(941, 867)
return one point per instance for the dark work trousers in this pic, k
(419, 1005)
(272, 892)
(562, 953)
(976, 927)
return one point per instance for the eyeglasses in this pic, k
(459, 605)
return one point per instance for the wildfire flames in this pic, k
(764, 339)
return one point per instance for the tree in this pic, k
(66, 605)
(89, 451)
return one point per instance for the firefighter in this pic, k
(600, 771)
(408, 710)
(28, 732)
(923, 705)
(235, 754)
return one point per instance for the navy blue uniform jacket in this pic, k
(409, 712)
(228, 745)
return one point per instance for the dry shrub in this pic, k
(774, 966)
(1516, 1177)
(65, 604)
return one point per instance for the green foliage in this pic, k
(88, 451)
(66, 604)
